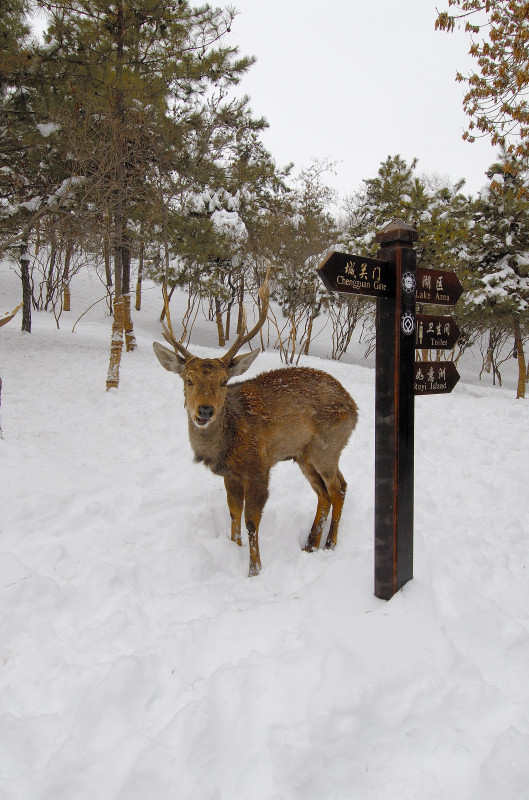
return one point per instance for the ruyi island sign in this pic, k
(434, 377)
(394, 280)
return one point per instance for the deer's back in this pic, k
(285, 410)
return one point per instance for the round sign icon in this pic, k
(407, 323)
(408, 282)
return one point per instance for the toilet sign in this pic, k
(435, 333)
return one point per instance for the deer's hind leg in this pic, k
(324, 505)
(336, 486)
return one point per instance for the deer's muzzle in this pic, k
(205, 414)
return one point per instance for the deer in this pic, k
(241, 430)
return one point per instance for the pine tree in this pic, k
(137, 86)
(496, 97)
(33, 177)
(499, 281)
(381, 199)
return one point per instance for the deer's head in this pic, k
(206, 379)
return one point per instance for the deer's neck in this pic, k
(211, 444)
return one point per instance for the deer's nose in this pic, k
(205, 413)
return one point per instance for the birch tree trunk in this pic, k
(116, 344)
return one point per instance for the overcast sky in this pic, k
(355, 82)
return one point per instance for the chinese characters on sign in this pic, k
(437, 286)
(434, 377)
(435, 333)
(340, 272)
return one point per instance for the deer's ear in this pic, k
(167, 358)
(240, 364)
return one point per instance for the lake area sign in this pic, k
(437, 286)
(340, 272)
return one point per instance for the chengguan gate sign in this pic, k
(396, 282)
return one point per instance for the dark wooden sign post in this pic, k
(395, 414)
(395, 281)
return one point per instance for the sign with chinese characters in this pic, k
(434, 377)
(437, 286)
(435, 333)
(340, 272)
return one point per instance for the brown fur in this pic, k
(298, 413)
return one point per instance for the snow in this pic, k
(48, 128)
(138, 661)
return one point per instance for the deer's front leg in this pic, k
(256, 495)
(235, 496)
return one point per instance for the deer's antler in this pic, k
(167, 331)
(242, 338)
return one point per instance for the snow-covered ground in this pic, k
(137, 660)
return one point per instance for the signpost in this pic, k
(395, 281)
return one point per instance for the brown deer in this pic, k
(241, 430)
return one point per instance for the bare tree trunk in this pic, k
(306, 346)
(488, 359)
(108, 270)
(130, 339)
(26, 287)
(66, 278)
(49, 276)
(116, 344)
(228, 323)
(140, 272)
(241, 301)
(522, 368)
(218, 318)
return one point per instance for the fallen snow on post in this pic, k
(138, 661)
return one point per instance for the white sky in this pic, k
(356, 82)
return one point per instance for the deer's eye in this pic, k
(189, 382)
(224, 383)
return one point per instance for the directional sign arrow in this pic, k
(350, 274)
(434, 377)
(437, 286)
(435, 333)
